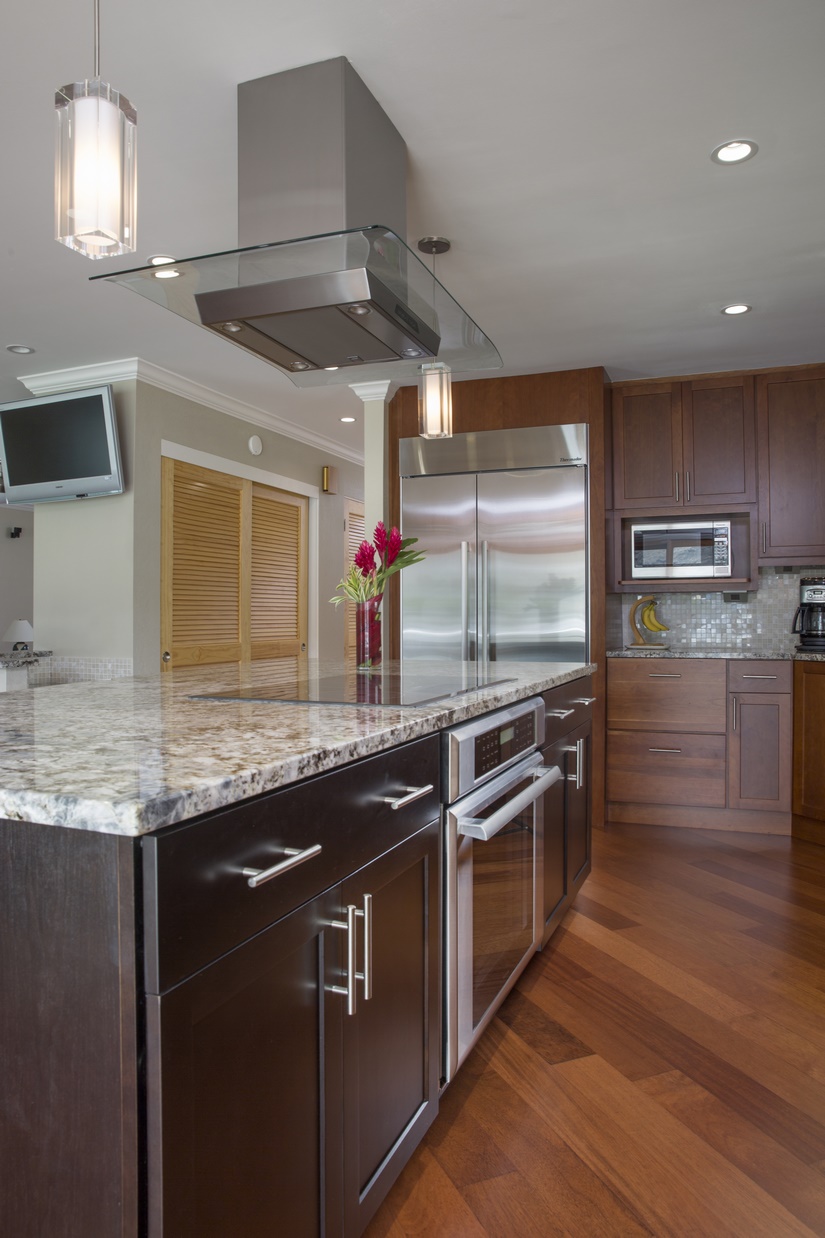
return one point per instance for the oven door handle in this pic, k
(485, 828)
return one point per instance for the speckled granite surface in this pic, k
(131, 755)
(751, 655)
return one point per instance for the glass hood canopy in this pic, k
(352, 306)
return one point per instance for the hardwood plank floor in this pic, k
(659, 1069)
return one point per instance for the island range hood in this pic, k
(347, 299)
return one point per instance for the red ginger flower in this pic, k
(393, 545)
(379, 538)
(365, 558)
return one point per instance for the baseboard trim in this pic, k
(740, 820)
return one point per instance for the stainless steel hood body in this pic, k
(316, 152)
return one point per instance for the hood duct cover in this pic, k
(346, 297)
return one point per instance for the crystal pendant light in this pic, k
(435, 401)
(95, 165)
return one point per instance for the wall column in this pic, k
(376, 504)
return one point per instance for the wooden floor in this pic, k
(660, 1069)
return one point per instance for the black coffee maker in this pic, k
(809, 620)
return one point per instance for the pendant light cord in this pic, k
(97, 38)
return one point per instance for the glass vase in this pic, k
(368, 633)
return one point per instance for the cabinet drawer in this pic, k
(668, 694)
(567, 707)
(198, 903)
(759, 676)
(646, 767)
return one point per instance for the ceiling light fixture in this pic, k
(166, 273)
(347, 419)
(159, 260)
(435, 387)
(737, 309)
(19, 348)
(736, 151)
(95, 165)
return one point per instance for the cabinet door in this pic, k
(719, 439)
(577, 816)
(553, 811)
(652, 767)
(759, 756)
(667, 694)
(244, 1088)
(791, 424)
(808, 730)
(647, 445)
(392, 1042)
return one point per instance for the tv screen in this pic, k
(60, 447)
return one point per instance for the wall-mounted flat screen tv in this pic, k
(60, 447)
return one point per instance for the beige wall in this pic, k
(16, 569)
(97, 563)
(83, 592)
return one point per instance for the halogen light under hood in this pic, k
(354, 300)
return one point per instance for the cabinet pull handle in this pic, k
(677, 487)
(585, 700)
(664, 749)
(759, 676)
(733, 698)
(558, 713)
(687, 487)
(764, 537)
(413, 793)
(663, 675)
(580, 763)
(257, 876)
(348, 990)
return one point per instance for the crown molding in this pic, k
(371, 391)
(130, 369)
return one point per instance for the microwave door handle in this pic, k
(485, 828)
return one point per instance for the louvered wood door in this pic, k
(354, 535)
(233, 568)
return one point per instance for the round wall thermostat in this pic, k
(255, 445)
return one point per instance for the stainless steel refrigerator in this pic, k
(501, 516)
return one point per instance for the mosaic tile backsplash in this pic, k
(52, 670)
(699, 620)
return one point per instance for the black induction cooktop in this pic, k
(388, 688)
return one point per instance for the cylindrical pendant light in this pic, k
(435, 401)
(95, 166)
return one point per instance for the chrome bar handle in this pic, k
(759, 676)
(413, 793)
(348, 926)
(764, 537)
(580, 763)
(485, 602)
(257, 876)
(367, 973)
(585, 700)
(677, 486)
(558, 713)
(664, 749)
(733, 698)
(687, 486)
(663, 675)
(465, 632)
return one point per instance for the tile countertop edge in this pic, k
(146, 809)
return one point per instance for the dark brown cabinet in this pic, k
(791, 424)
(684, 444)
(566, 827)
(808, 762)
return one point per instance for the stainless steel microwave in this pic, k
(684, 550)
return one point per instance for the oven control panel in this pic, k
(498, 746)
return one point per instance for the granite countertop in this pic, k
(713, 651)
(128, 756)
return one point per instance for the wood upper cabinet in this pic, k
(791, 426)
(690, 444)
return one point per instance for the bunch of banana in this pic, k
(650, 621)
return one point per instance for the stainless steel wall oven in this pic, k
(493, 833)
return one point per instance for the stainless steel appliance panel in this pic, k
(439, 594)
(532, 526)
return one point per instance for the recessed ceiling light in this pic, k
(21, 348)
(330, 367)
(232, 327)
(737, 309)
(159, 260)
(166, 273)
(348, 419)
(734, 152)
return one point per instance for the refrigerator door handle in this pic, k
(485, 602)
(465, 588)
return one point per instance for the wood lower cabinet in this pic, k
(791, 427)
(809, 758)
(700, 743)
(567, 816)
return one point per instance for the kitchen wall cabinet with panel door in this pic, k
(809, 751)
(567, 813)
(684, 444)
(293, 1028)
(791, 435)
(673, 758)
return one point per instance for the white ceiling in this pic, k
(563, 146)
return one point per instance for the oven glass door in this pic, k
(491, 923)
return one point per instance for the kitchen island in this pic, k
(134, 998)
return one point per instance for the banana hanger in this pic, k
(647, 604)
